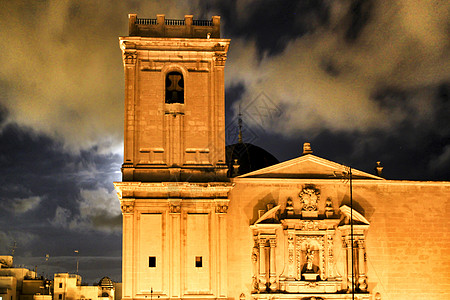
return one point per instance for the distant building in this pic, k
(21, 283)
(68, 287)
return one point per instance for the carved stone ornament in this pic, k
(310, 225)
(289, 207)
(129, 57)
(255, 252)
(221, 208)
(329, 208)
(219, 47)
(309, 197)
(291, 248)
(220, 58)
(174, 208)
(127, 207)
(255, 261)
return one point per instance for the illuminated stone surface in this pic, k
(282, 232)
(174, 104)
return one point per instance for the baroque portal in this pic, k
(314, 243)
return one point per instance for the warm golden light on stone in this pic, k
(300, 229)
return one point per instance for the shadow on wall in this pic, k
(263, 205)
(359, 204)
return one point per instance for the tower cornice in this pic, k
(178, 44)
(184, 190)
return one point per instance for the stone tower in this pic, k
(174, 100)
(174, 193)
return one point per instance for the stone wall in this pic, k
(408, 241)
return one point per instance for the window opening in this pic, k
(198, 262)
(174, 88)
(152, 261)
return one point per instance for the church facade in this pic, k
(307, 228)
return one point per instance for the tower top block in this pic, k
(173, 28)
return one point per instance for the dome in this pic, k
(106, 282)
(250, 157)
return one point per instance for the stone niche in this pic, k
(294, 251)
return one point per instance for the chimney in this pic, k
(307, 149)
(378, 169)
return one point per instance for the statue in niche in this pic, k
(309, 260)
(310, 271)
(329, 208)
(289, 207)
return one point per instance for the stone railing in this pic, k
(202, 23)
(174, 22)
(162, 27)
(145, 21)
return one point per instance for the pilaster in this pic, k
(362, 265)
(127, 207)
(129, 61)
(175, 246)
(221, 213)
(262, 264)
(273, 274)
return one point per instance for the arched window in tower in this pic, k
(174, 88)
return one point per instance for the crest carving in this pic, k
(309, 197)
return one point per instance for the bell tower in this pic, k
(174, 189)
(174, 100)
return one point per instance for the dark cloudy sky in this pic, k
(361, 80)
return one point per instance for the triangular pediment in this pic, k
(308, 167)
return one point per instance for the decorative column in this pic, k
(273, 274)
(127, 207)
(350, 263)
(330, 262)
(291, 256)
(264, 257)
(354, 233)
(298, 253)
(362, 277)
(255, 263)
(347, 269)
(262, 265)
(322, 261)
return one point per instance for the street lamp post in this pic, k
(76, 251)
(350, 179)
(351, 231)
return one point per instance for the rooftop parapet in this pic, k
(162, 27)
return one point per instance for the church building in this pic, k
(194, 227)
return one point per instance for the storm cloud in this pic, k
(61, 71)
(350, 75)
